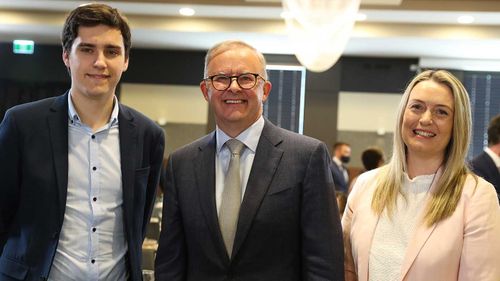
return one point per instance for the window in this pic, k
(285, 105)
(484, 92)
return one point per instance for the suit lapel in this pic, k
(422, 232)
(266, 161)
(204, 165)
(58, 133)
(128, 158)
(367, 223)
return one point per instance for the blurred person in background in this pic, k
(341, 156)
(371, 158)
(487, 164)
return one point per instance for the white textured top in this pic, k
(392, 235)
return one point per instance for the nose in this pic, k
(100, 60)
(426, 118)
(233, 84)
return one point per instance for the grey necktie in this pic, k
(231, 196)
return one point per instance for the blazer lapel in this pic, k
(204, 165)
(266, 161)
(367, 223)
(422, 232)
(128, 152)
(58, 133)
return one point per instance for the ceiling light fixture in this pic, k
(186, 11)
(319, 30)
(465, 19)
(361, 17)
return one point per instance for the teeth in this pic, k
(424, 134)
(234, 101)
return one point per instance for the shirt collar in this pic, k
(337, 161)
(73, 115)
(493, 156)
(250, 137)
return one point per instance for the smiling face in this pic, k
(96, 62)
(428, 119)
(235, 108)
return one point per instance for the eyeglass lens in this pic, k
(245, 81)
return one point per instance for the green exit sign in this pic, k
(23, 47)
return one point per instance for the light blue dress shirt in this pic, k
(92, 244)
(250, 137)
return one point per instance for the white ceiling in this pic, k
(433, 35)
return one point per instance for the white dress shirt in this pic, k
(92, 243)
(250, 137)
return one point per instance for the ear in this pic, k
(266, 90)
(65, 58)
(204, 90)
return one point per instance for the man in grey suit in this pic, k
(279, 222)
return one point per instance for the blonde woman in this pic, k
(424, 215)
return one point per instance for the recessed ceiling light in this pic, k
(361, 17)
(186, 11)
(465, 19)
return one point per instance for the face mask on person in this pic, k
(345, 159)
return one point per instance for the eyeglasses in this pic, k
(246, 81)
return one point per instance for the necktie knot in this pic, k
(235, 146)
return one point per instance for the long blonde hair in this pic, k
(449, 186)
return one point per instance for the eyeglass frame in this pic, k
(235, 77)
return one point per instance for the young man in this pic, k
(79, 171)
(250, 201)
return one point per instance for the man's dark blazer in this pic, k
(484, 167)
(288, 228)
(338, 178)
(34, 177)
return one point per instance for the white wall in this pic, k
(368, 112)
(167, 103)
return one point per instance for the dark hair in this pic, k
(92, 15)
(339, 144)
(371, 158)
(494, 131)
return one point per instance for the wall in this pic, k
(367, 120)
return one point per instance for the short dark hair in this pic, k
(494, 131)
(371, 158)
(92, 15)
(339, 144)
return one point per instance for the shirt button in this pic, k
(94, 168)
(94, 199)
(92, 261)
(94, 229)
(93, 136)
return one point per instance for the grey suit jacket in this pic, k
(34, 178)
(288, 227)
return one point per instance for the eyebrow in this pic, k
(107, 46)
